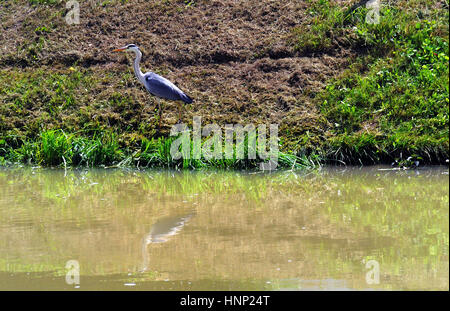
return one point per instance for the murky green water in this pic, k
(160, 230)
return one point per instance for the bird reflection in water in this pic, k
(161, 231)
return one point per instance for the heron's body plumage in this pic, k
(161, 87)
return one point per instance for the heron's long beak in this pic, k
(120, 49)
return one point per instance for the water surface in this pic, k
(164, 230)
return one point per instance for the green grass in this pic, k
(325, 25)
(393, 101)
(56, 148)
(54, 91)
(48, 2)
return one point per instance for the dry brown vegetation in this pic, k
(236, 58)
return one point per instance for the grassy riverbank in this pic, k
(56, 148)
(341, 90)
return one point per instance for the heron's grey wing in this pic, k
(161, 87)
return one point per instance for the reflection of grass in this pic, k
(48, 267)
(104, 182)
(250, 224)
(415, 234)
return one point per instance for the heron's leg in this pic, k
(159, 112)
(179, 112)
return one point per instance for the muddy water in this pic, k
(158, 230)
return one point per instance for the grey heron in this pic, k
(155, 84)
(161, 231)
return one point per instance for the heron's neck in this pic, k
(137, 70)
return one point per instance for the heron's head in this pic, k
(127, 48)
